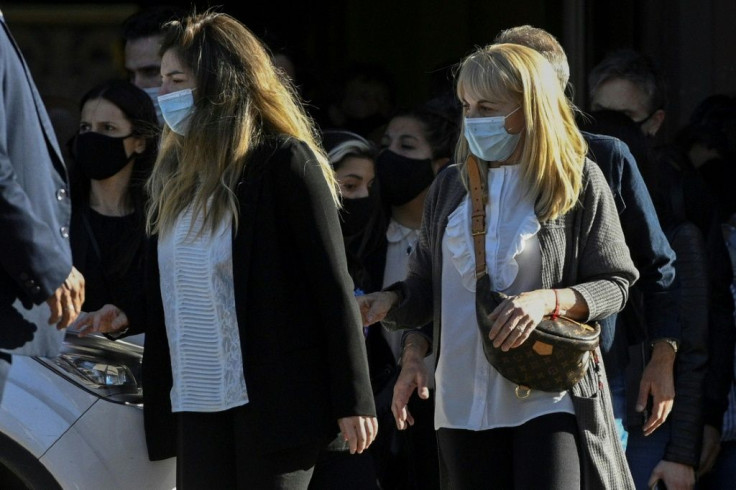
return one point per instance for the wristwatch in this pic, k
(670, 341)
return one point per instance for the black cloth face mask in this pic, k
(402, 178)
(99, 157)
(355, 214)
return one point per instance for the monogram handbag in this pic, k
(556, 354)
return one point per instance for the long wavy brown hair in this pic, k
(239, 98)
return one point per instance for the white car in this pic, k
(76, 421)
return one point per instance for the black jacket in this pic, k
(301, 335)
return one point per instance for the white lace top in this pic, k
(471, 394)
(201, 324)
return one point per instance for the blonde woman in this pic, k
(553, 242)
(262, 358)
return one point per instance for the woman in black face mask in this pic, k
(363, 226)
(362, 217)
(113, 155)
(417, 144)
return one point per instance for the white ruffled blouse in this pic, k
(471, 394)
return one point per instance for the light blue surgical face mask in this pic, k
(488, 139)
(176, 108)
(152, 92)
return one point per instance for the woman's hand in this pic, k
(358, 431)
(413, 377)
(108, 319)
(375, 306)
(516, 317)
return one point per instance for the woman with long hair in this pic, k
(553, 244)
(262, 346)
(114, 152)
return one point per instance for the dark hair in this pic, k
(635, 67)
(441, 119)
(713, 125)
(150, 21)
(139, 110)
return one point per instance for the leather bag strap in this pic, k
(478, 220)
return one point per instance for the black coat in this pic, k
(301, 336)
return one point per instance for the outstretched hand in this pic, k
(108, 319)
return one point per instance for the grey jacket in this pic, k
(583, 249)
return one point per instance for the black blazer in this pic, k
(34, 201)
(301, 336)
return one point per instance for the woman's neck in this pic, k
(109, 197)
(410, 214)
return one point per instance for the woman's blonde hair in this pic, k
(553, 151)
(239, 98)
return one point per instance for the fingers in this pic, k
(359, 432)
(69, 313)
(509, 330)
(66, 303)
(361, 441)
(84, 326)
(402, 416)
(364, 305)
(413, 376)
(80, 289)
(660, 411)
(55, 307)
(644, 391)
(348, 434)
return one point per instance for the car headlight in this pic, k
(106, 368)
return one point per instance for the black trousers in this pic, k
(540, 454)
(211, 453)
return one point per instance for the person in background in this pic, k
(644, 101)
(114, 152)
(35, 209)
(417, 144)
(142, 34)
(362, 216)
(549, 212)
(718, 468)
(251, 312)
(671, 453)
(363, 226)
(627, 82)
(362, 101)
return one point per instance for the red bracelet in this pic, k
(556, 313)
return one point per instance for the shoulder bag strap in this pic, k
(478, 220)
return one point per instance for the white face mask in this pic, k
(152, 92)
(176, 108)
(488, 139)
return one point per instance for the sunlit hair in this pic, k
(239, 99)
(543, 43)
(553, 151)
(360, 148)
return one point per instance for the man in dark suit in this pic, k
(35, 259)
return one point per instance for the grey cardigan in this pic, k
(583, 249)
